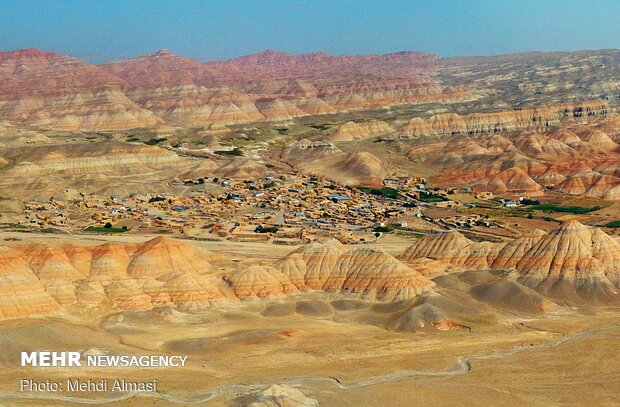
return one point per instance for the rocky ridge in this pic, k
(52, 91)
(49, 90)
(573, 263)
(359, 130)
(501, 122)
(574, 158)
(326, 160)
(39, 278)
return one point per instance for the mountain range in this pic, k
(48, 90)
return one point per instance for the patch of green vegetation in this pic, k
(265, 229)
(490, 204)
(320, 126)
(50, 230)
(283, 132)
(12, 226)
(103, 229)
(430, 197)
(382, 229)
(577, 210)
(614, 224)
(155, 140)
(526, 201)
(132, 138)
(383, 140)
(385, 192)
(501, 211)
(234, 152)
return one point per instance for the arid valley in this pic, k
(311, 230)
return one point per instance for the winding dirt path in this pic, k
(461, 366)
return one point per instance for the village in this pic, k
(288, 209)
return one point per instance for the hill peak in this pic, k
(272, 57)
(162, 52)
(28, 53)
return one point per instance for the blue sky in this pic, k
(103, 30)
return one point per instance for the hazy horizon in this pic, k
(207, 31)
(335, 55)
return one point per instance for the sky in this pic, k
(105, 30)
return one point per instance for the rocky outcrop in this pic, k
(279, 109)
(331, 267)
(22, 293)
(454, 248)
(256, 281)
(41, 278)
(574, 158)
(527, 119)
(106, 157)
(359, 130)
(573, 262)
(371, 273)
(327, 160)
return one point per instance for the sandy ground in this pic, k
(341, 358)
(568, 360)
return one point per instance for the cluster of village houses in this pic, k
(285, 209)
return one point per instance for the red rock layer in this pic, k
(272, 84)
(55, 91)
(49, 90)
(573, 158)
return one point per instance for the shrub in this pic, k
(154, 141)
(428, 197)
(263, 229)
(237, 152)
(381, 229)
(526, 201)
(578, 210)
(385, 192)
